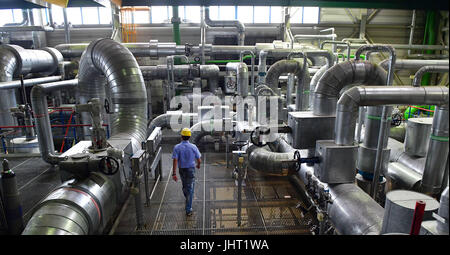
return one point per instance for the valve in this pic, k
(396, 119)
(108, 165)
(300, 160)
(255, 136)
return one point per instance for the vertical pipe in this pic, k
(176, 25)
(411, 34)
(417, 217)
(202, 32)
(66, 26)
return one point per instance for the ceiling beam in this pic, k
(370, 4)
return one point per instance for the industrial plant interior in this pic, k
(312, 118)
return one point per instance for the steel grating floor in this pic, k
(268, 206)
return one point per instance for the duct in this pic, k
(208, 127)
(427, 69)
(75, 208)
(14, 61)
(434, 171)
(208, 72)
(312, 86)
(339, 76)
(412, 64)
(269, 162)
(403, 176)
(226, 23)
(42, 120)
(126, 87)
(398, 154)
(348, 104)
(443, 212)
(351, 211)
(163, 120)
(151, 49)
(289, 66)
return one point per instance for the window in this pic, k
(189, 14)
(141, 17)
(82, 15)
(10, 16)
(305, 15)
(245, 14)
(276, 14)
(161, 14)
(262, 14)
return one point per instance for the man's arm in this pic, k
(198, 162)
(174, 169)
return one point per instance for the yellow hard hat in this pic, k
(186, 132)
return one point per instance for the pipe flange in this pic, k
(153, 49)
(57, 59)
(24, 60)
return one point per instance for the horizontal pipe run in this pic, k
(427, 69)
(402, 64)
(352, 99)
(29, 82)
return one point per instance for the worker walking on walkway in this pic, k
(184, 155)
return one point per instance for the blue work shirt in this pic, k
(186, 153)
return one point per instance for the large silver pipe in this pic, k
(75, 208)
(164, 120)
(352, 211)
(339, 76)
(427, 69)
(14, 61)
(262, 67)
(312, 86)
(208, 72)
(26, 29)
(412, 64)
(41, 117)
(352, 99)
(435, 167)
(226, 23)
(208, 127)
(126, 87)
(242, 79)
(289, 66)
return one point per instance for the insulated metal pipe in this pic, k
(41, 117)
(264, 160)
(262, 67)
(226, 23)
(402, 64)
(427, 69)
(289, 66)
(339, 76)
(320, 37)
(337, 43)
(252, 77)
(352, 99)
(351, 211)
(14, 61)
(405, 46)
(433, 174)
(106, 57)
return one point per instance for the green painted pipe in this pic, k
(353, 56)
(411, 111)
(429, 39)
(176, 25)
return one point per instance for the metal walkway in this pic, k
(268, 207)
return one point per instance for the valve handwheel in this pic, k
(107, 106)
(396, 119)
(297, 162)
(108, 165)
(260, 130)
